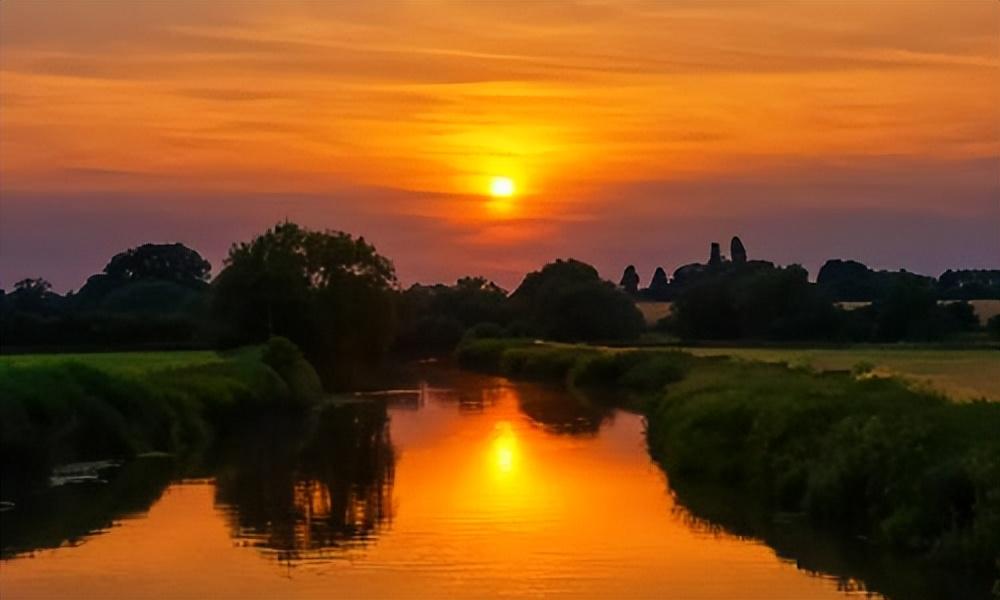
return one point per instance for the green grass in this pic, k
(131, 363)
(65, 408)
(960, 374)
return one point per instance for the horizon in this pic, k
(812, 131)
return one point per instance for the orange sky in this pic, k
(635, 132)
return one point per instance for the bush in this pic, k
(641, 371)
(993, 327)
(541, 362)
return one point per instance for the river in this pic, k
(459, 486)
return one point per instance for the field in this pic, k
(130, 363)
(654, 311)
(961, 374)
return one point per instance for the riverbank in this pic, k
(870, 457)
(58, 409)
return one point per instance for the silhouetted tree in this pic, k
(433, 318)
(715, 255)
(737, 252)
(762, 302)
(847, 280)
(630, 280)
(169, 262)
(567, 300)
(34, 296)
(993, 327)
(969, 284)
(148, 279)
(330, 293)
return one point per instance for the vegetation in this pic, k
(568, 301)
(59, 411)
(866, 456)
(328, 292)
(434, 318)
(153, 295)
(961, 374)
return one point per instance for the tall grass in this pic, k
(54, 412)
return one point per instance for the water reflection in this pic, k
(462, 487)
(66, 515)
(330, 489)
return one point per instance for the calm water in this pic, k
(465, 487)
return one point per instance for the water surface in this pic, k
(463, 487)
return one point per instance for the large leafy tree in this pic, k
(150, 279)
(168, 262)
(568, 300)
(329, 292)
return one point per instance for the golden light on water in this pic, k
(503, 450)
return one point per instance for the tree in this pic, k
(170, 262)
(847, 280)
(755, 301)
(34, 296)
(151, 278)
(737, 251)
(433, 318)
(993, 327)
(328, 292)
(630, 280)
(567, 300)
(659, 287)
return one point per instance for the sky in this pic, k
(634, 132)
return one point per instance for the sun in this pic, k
(502, 187)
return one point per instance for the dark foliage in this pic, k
(630, 280)
(434, 318)
(567, 300)
(751, 301)
(330, 293)
(993, 327)
(970, 284)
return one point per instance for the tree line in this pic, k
(329, 292)
(339, 300)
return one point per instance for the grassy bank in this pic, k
(961, 374)
(57, 409)
(872, 457)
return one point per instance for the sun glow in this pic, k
(504, 448)
(502, 187)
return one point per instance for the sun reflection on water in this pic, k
(503, 450)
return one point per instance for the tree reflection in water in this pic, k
(307, 493)
(559, 412)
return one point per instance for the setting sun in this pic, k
(502, 187)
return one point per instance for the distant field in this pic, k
(984, 309)
(653, 311)
(132, 363)
(961, 374)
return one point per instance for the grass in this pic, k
(960, 374)
(64, 408)
(863, 456)
(131, 363)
